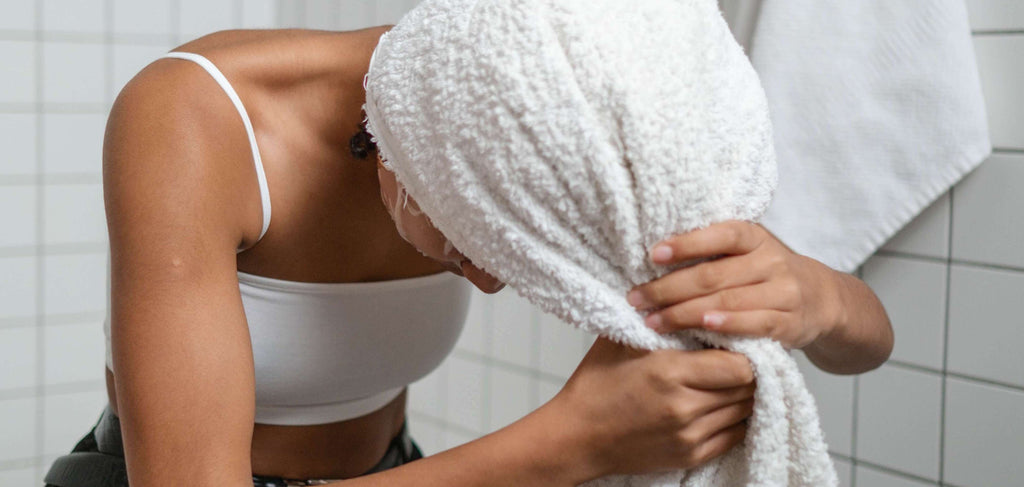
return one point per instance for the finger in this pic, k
(768, 323)
(699, 280)
(730, 237)
(714, 369)
(718, 444)
(707, 425)
(703, 402)
(690, 314)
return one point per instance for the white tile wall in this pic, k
(914, 295)
(18, 138)
(63, 62)
(18, 71)
(884, 427)
(985, 333)
(984, 434)
(898, 416)
(17, 16)
(986, 203)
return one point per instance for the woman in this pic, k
(225, 328)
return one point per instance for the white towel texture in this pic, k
(555, 141)
(877, 110)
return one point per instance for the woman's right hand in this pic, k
(637, 411)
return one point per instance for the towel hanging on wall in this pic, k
(877, 110)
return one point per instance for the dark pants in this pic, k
(98, 459)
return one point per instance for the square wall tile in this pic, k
(20, 476)
(996, 14)
(74, 353)
(898, 420)
(914, 295)
(985, 333)
(833, 395)
(17, 429)
(454, 438)
(74, 15)
(927, 234)
(75, 283)
(465, 389)
(17, 72)
(429, 436)
(321, 15)
(18, 349)
(18, 216)
(142, 17)
(201, 17)
(73, 143)
(20, 15)
(984, 434)
(259, 14)
(18, 138)
(428, 395)
(561, 346)
(390, 12)
(74, 213)
(546, 390)
(129, 60)
(356, 14)
(74, 73)
(511, 396)
(17, 287)
(985, 204)
(871, 477)
(478, 321)
(68, 417)
(512, 329)
(1001, 67)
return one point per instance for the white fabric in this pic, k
(555, 141)
(877, 111)
(235, 100)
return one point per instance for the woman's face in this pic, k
(414, 226)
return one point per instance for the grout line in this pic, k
(888, 470)
(996, 32)
(945, 344)
(1007, 150)
(40, 348)
(950, 260)
(854, 412)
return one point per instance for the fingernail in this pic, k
(653, 321)
(661, 253)
(634, 298)
(713, 320)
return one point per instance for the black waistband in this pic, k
(98, 459)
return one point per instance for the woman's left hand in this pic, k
(758, 288)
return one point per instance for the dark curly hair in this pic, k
(361, 144)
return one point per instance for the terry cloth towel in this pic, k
(877, 111)
(554, 141)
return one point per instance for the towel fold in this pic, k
(555, 141)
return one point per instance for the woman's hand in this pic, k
(759, 288)
(635, 411)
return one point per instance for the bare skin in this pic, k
(181, 197)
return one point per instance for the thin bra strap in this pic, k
(257, 161)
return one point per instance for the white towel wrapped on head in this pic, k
(555, 141)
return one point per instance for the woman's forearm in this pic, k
(538, 450)
(861, 337)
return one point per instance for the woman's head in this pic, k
(416, 228)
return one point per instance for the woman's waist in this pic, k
(341, 449)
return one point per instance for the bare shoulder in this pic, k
(175, 151)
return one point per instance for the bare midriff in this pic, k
(338, 450)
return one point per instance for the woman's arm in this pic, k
(762, 288)
(182, 357)
(623, 411)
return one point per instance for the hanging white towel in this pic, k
(877, 110)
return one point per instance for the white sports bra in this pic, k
(327, 352)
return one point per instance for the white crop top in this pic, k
(327, 352)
